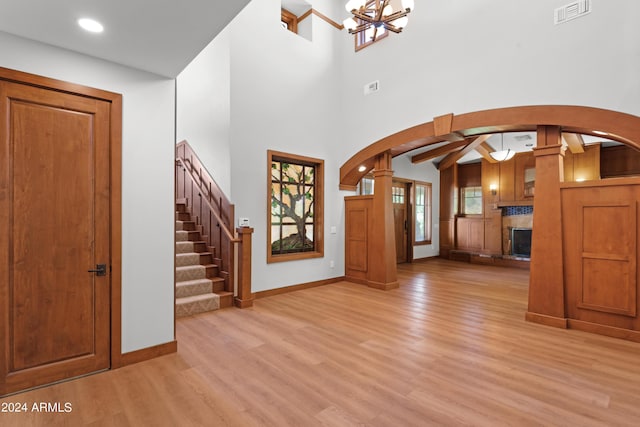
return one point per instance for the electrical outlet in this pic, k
(332, 264)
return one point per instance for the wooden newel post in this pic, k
(245, 297)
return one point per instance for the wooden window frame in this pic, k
(318, 209)
(428, 213)
(290, 19)
(463, 206)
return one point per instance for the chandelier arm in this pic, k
(395, 15)
(364, 17)
(381, 9)
(360, 28)
(391, 27)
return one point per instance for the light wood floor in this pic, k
(450, 347)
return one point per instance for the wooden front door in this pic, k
(400, 197)
(54, 228)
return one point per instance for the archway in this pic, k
(556, 297)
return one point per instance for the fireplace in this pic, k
(521, 242)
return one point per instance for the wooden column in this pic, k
(382, 249)
(546, 283)
(245, 297)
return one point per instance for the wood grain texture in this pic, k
(449, 347)
(622, 127)
(57, 315)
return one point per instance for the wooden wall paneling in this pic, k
(493, 232)
(470, 175)
(619, 161)
(448, 209)
(492, 214)
(601, 235)
(608, 273)
(522, 162)
(507, 181)
(470, 233)
(490, 173)
(568, 166)
(546, 289)
(586, 166)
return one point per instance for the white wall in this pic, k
(203, 109)
(457, 56)
(147, 179)
(425, 172)
(284, 92)
(306, 97)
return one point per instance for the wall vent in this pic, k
(572, 11)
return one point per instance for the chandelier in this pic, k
(373, 15)
(502, 155)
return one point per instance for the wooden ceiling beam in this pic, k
(437, 152)
(574, 141)
(452, 158)
(485, 151)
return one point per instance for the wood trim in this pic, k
(387, 286)
(457, 155)
(328, 20)
(437, 152)
(621, 127)
(609, 182)
(290, 19)
(115, 183)
(556, 322)
(141, 355)
(116, 232)
(609, 331)
(318, 208)
(325, 18)
(425, 259)
(294, 288)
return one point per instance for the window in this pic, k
(471, 200)
(422, 222)
(365, 186)
(397, 195)
(371, 35)
(296, 192)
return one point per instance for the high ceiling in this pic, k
(159, 36)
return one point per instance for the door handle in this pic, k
(100, 270)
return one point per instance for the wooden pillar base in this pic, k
(383, 286)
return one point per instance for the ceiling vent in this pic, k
(571, 11)
(521, 138)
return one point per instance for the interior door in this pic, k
(401, 220)
(54, 229)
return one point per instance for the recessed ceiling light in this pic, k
(362, 168)
(91, 25)
(599, 132)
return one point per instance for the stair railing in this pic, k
(214, 215)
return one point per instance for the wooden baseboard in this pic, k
(148, 353)
(610, 331)
(293, 288)
(383, 286)
(556, 322)
(356, 280)
(427, 258)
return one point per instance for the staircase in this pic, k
(198, 285)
